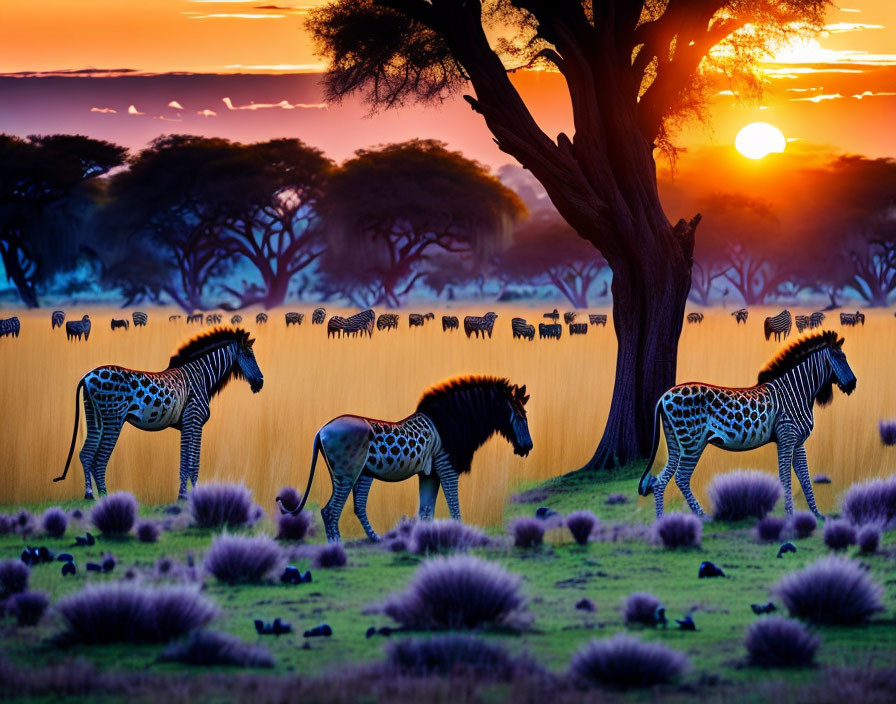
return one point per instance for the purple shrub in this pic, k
(623, 662)
(769, 529)
(581, 524)
(803, 524)
(439, 536)
(869, 538)
(293, 527)
(54, 522)
(210, 648)
(14, 576)
(678, 530)
(775, 641)
(887, 432)
(219, 505)
(743, 494)
(871, 502)
(28, 607)
(289, 498)
(402, 529)
(7, 524)
(457, 655)
(616, 499)
(123, 612)
(831, 591)
(642, 608)
(23, 523)
(330, 555)
(237, 559)
(839, 535)
(147, 532)
(459, 592)
(527, 532)
(115, 514)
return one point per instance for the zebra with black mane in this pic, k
(415, 320)
(10, 327)
(139, 318)
(318, 316)
(78, 328)
(177, 397)
(578, 328)
(598, 319)
(293, 318)
(522, 329)
(480, 324)
(778, 409)
(553, 315)
(387, 321)
(57, 319)
(120, 324)
(236, 319)
(779, 325)
(741, 315)
(549, 330)
(436, 443)
(450, 322)
(359, 323)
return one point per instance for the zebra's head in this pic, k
(841, 373)
(517, 431)
(248, 367)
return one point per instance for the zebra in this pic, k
(212, 319)
(778, 409)
(553, 315)
(779, 325)
(816, 319)
(236, 319)
(177, 397)
(120, 324)
(294, 318)
(598, 319)
(569, 317)
(551, 330)
(852, 319)
(57, 319)
(387, 321)
(578, 329)
(803, 322)
(450, 322)
(261, 318)
(741, 315)
(194, 318)
(353, 325)
(139, 318)
(318, 316)
(476, 324)
(415, 320)
(695, 317)
(522, 329)
(77, 328)
(429, 316)
(10, 326)
(437, 443)
(175, 318)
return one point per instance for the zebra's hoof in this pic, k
(88, 497)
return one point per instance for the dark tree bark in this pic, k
(13, 255)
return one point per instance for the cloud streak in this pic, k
(104, 111)
(283, 105)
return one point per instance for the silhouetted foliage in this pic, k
(743, 494)
(868, 538)
(14, 576)
(624, 662)
(28, 607)
(237, 559)
(773, 641)
(769, 529)
(115, 514)
(147, 531)
(293, 527)
(456, 655)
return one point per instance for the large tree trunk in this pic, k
(14, 273)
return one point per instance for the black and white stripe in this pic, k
(816, 319)
(359, 323)
(293, 318)
(803, 322)
(741, 315)
(569, 317)
(387, 321)
(779, 325)
(852, 319)
(450, 322)
(695, 317)
(522, 329)
(480, 324)
(78, 328)
(139, 318)
(429, 316)
(598, 319)
(550, 330)
(236, 319)
(261, 318)
(318, 316)
(58, 319)
(10, 327)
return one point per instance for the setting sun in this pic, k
(759, 139)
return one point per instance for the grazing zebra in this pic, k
(741, 315)
(852, 319)
(803, 322)
(778, 409)
(353, 325)
(522, 329)
(212, 319)
(436, 443)
(194, 318)
(695, 317)
(549, 330)
(261, 318)
(476, 324)
(598, 319)
(120, 324)
(779, 325)
(236, 319)
(77, 328)
(415, 320)
(816, 319)
(318, 316)
(569, 317)
(57, 319)
(450, 322)
(387, 321)
(10, 326)
(553, 315)
(294, 319)
(139, 318)
(175, 318)
(177, 397)
(429, 316)
(578, 328)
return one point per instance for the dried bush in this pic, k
(642, 608)
(773, 641)
(839, 535)
(54, 522)
(769, 529)
(803, 524)
(581, 524)
(330, 555)
(237, 559)
(115, 514)
(147, 531)
(678, 530)
(871, 502)
(220, 505)
(28, 607)
(457, 655)
(293, 527)
(210, 648)
(440, 536)
(624, 662)
(868, 538)
(743, 494)
(14, 576)
(527, 532)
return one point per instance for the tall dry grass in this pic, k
(265, 440)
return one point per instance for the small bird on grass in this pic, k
(785, 548)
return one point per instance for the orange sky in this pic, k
(810, 97)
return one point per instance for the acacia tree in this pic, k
(634, 69)
(388, 210)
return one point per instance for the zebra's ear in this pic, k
(250, 342)
(840, 342)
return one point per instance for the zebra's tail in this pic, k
(645, 485)
(71, 450)
(314, 451)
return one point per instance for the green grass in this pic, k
(555, 577)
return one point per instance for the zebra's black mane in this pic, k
(204, 343)
(794, 354)
(467, 411)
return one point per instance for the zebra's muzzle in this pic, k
(256, 386)
(849, 387)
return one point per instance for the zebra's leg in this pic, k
(359, 493)
(448, 480)
(188, 432)
(112, 425)
(664, 477)
(801, 465)
(91, 444)
(429, 490)
(195, 448)
(683, 480)
(785, 468)
(333, 508)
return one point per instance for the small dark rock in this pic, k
(686, 624)
(94, 567)
(766, 608)
(65, 557)
(586, 605)
(69, 568)
(708, 569)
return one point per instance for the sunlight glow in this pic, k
(759, 139)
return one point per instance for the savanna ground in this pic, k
(265, 440)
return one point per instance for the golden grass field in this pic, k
(265, 440)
